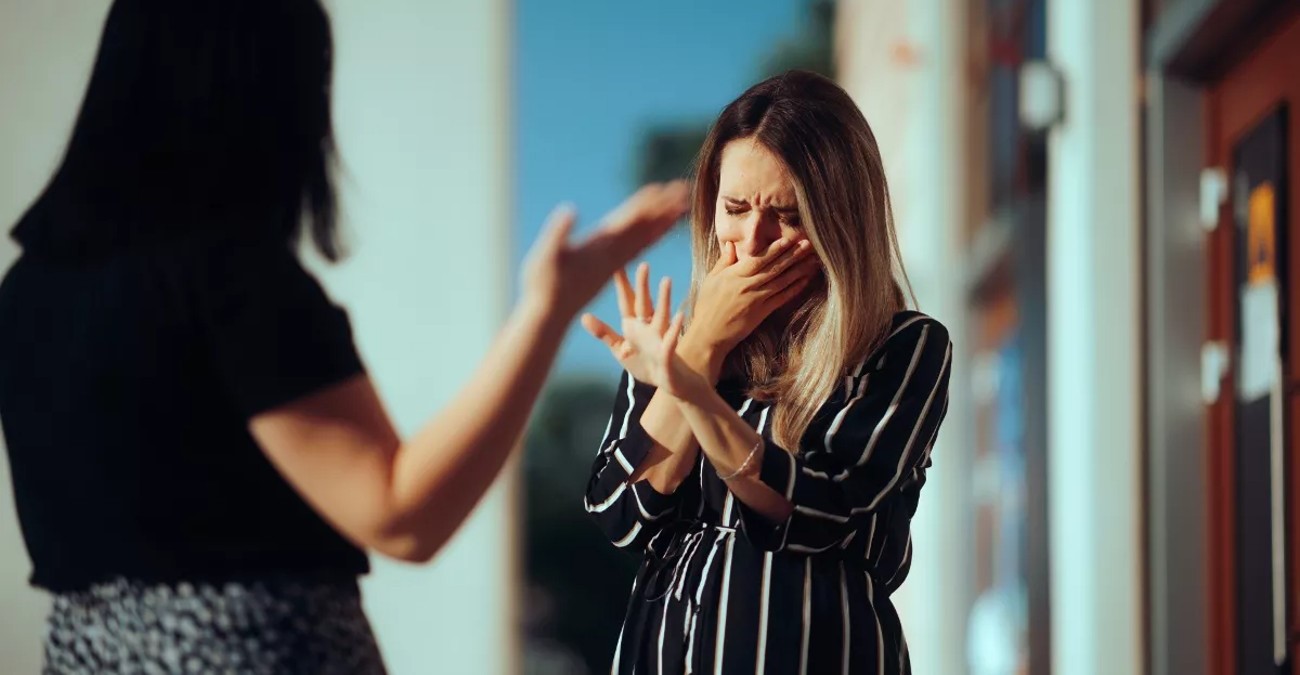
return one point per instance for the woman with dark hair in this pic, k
(199, 460)
(766, 462)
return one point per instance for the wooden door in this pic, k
(1253, 133)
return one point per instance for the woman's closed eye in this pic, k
(735, 208)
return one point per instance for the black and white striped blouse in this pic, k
(723, 590)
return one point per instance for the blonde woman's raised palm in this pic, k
(646, 347)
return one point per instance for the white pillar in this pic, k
(422, 117)
(930, 227)
(1094, 358)
(904, 65)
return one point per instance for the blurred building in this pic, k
(1093, 194)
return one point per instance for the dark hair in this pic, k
(200, 116)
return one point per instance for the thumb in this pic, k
(674, 333)
(601, 331)
(555, 233)
(726, 258)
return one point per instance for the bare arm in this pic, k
(405, 499)
(675, 450)
(733, 299)
(733, 447)
(879, 446)
(656, 352)
(735, 450)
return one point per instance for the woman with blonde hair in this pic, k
(767, 460)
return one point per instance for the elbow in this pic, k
(409, 551)
(407, 548)
(405, 538)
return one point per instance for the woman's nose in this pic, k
(757, 234)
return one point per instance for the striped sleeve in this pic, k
(629, 513)
(875, 446)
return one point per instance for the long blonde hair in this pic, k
(825, 142)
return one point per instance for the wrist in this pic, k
(541, 314)
(695, 392)
(703, 357)
(748, 467)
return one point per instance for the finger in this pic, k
(665, 306)
(674, 333)
(789, 292)
(623, 291)
(806, 269)
(675, 200)
(794, 263)
(644, 305)
(726, 258)
(558, 227)
(640, 221)
(775, 250)
(721, 262)
(602, 331)
(625, 213)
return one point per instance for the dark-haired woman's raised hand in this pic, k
(562, 277)
(406, 497)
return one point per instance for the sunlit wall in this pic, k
(901, 62)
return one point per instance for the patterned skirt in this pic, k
(281, 626)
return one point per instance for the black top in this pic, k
(126, 385)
